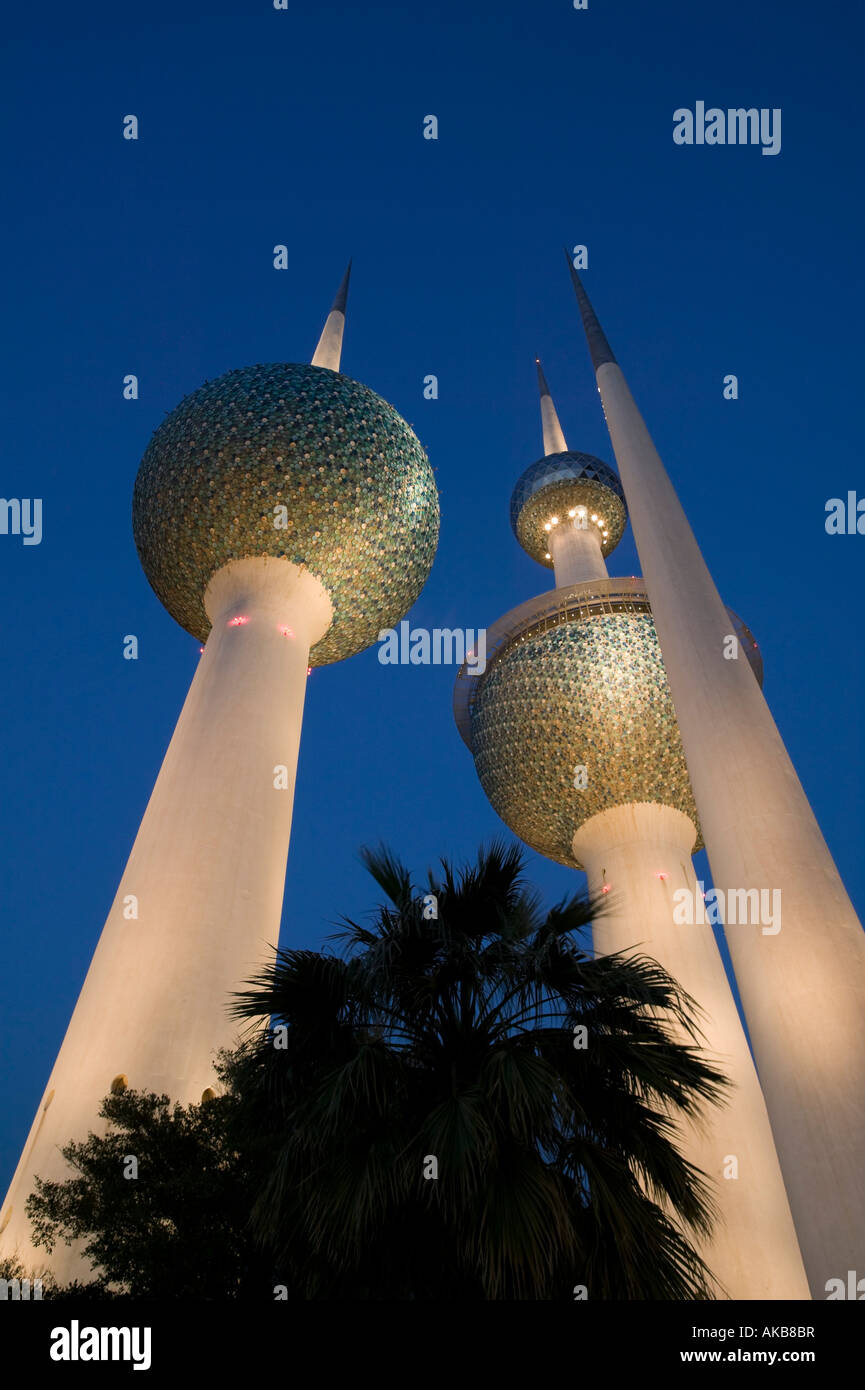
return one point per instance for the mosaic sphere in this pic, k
(587, 693)
(558, 485)
(573, 715)
(295, 462)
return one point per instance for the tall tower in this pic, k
(283, 514)
(803, 987)
(576, 745)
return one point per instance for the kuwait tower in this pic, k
(576, 744)
(803, 986)
(284, 514)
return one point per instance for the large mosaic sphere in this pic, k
(295, 462)
(552, 490)
(573, 714)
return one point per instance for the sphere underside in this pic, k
(559, 484)
(294, 462)
(589, 694)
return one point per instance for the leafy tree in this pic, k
(179, 1229)
(25, 1283)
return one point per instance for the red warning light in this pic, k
(237, 622)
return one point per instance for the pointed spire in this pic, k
(341, 299)
(542, 380)
(554, 439)
(329, 350)
(599, 348)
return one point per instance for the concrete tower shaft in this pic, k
(283, 514)
(803, 987)
(199, 904)
(639, 856)
(576, 553)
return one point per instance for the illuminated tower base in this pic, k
(641, 856)
(199, 905)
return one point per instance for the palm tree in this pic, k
(466, 1105)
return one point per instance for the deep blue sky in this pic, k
(304, 127)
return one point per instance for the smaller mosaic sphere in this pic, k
(557, 488)
(294, 462)
(587, 694)
(573, 714)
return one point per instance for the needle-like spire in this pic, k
(554, 439)
(329, 349)
(599, 348)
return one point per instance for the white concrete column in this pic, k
(803, 986)
(642, 855)
(576, 552)
(199, 904)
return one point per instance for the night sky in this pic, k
(304, 127)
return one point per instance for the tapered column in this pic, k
(199, 905)
(576, 552)
(641, 854)
(803, 986)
